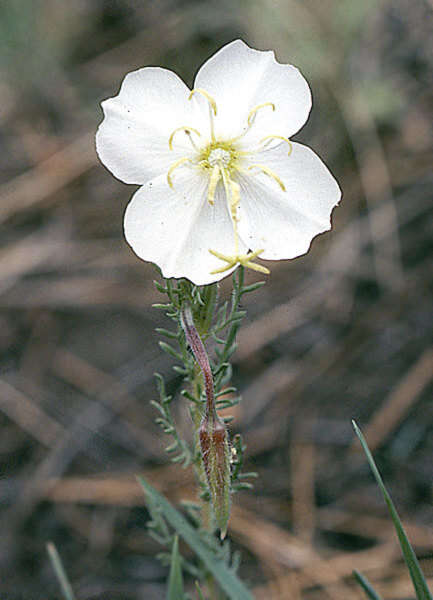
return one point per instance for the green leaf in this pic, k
(228, 581)
(167, 348)
(252, 287)
(366, 586)
(419, 583)
(173, 335)
(60, 572)
(199, 592)
(175, 579)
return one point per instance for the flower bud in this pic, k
(215, 453)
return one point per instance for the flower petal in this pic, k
(240, 79)
(283, 223)
(175, 228)
(132, 140)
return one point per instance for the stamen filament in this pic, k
(208, 97)
(232, 194)
(187, 131)
(174, 166)
(251, 118)
(276, 137)
(253, 112)
(212, 108)
(267, 171)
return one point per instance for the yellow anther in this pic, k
(213, 182)
(174, 166)
(253, 112)
(267, 171)
(207, 96)
(187, 131)
(277, 137)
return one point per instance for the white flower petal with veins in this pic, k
(219, 175)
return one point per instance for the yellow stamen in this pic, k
(253, 112)
(187, 131)
(174, 166)
(213, 182)
(232, 190)
(267, 171)
(208, 97)
(250, 121)
(277, 137)
(212, 108)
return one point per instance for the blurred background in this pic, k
(343, 332)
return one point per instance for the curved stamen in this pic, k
(187, 131)
(212, 108)
(174, 166)
(267, 138)
(208, 97)
(267, 171)
(250, 121)
(252, 114)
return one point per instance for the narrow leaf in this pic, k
(419, 583)
(252, 287)
(175, 579)
(167, 348)
(228, 581)
(167, 333)
(199, 592)
(60, 572)
(370, 592)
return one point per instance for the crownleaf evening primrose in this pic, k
(222, 184)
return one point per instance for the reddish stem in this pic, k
(200, 354)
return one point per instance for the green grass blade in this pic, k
(175, 580)
(419, 583)
(60, 572)
(227, 580)
(199, 592)
(366, 586)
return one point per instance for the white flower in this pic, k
(221, 182)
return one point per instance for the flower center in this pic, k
(219, 156)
